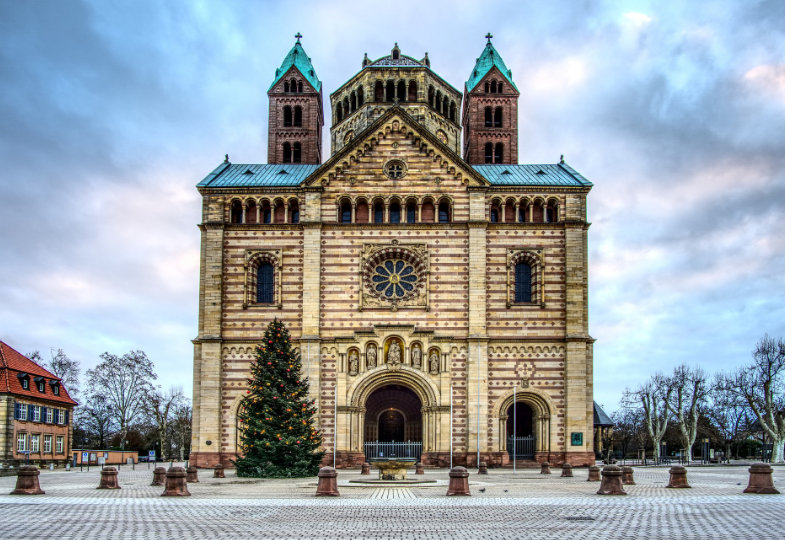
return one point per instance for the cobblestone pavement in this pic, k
(502, 505)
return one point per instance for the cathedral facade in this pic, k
(436, 290)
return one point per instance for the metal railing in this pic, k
(524, 447)
(379, 449)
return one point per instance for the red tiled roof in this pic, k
(12, 363)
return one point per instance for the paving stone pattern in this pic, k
(502, 505)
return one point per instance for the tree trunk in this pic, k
(776, 450)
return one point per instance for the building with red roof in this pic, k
(36, 412)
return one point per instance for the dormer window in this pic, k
(41, 384)
(24, 380)
(55, 387)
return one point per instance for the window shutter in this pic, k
(56, 416)
(30, 414)
(43, 415)
(17, 411)
(66, 417)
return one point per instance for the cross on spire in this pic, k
(298, 35)
(488, 36)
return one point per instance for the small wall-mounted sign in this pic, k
(576, 438)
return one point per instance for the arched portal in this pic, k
(393, 423)
(521, 442)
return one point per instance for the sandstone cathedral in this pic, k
(436, 290)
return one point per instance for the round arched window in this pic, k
(395, 168)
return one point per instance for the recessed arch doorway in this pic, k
(393, 423)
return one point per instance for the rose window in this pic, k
(394, 278)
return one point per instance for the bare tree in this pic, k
(762, 385)
(159, 406)
(689, 390)
(125, 381)
(728, 412)
(60, 366)
(181, 427)
(654, 397)
(97, 419)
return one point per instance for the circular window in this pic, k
(394, 278)
(395, 168)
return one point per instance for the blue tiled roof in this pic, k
(300, 60)
(250, 175)
(489, 58)
(600, 417)
(559, 174)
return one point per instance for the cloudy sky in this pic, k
(111, 112)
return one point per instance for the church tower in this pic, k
(296, 116)
(490, 111)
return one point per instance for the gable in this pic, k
(395, 135)
(278, 86)
(494, 74)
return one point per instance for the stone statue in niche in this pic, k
(354, 363)
(433, 363)
(394, 354)
(416, 357)
(370, 356)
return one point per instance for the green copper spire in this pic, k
(489, 58)
(300, 60)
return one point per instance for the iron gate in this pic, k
(524, 447)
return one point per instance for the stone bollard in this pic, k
(566, 470)
(191, 476)
(108, 479)
(483, 468)
(159, 476)
(176, 484)
(218, 471)
(545, 468)
(27, 481)
(459, 481)
(366, 468)
(418, 468)
(594, 474)
(626, 476)
(611, 481)
(760, 480)
(328, 482)
(678, 477)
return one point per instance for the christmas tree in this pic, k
(278, 439)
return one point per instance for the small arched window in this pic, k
(296, 153)
(412, 91)
(286, 86)
(395, 212)
(523, 213)
(390, 94)
(444, 212)
(361, 212)
(493, 87)
(287, 116)
(300, 87)
(499, 88)
(497, 117)
(294, 212)
(498, 153)
(494, 215)
(401, 94)
(360, 97)
(267, 214)
(378, 212)
(279, 213)
(523, 282)
(250, 212)
(427, 212)
(453, 111)
(298, 116)
(509, 212)
(236, 212)
(431, 96)
(488, 152)
(339, 111)
(265, 278)
(346, 211)
(488, 117)
(378, 91)
(538, 213)
(487, 87)
(551, 212)
(287, 152)
(411, 212)
(353, 101)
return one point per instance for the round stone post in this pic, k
(218, 471)
(545, 468)
(678, 477)
(594, 474)
(159, 476)
(611, 481)
(191, 476)
(176, 485)
(459, 481)
(566, 470)
(27, 481)
(760, 480)
(328, 482)
(418, 468)
(483, 468)
(366, 468)
(108, 479)
(626, 476)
